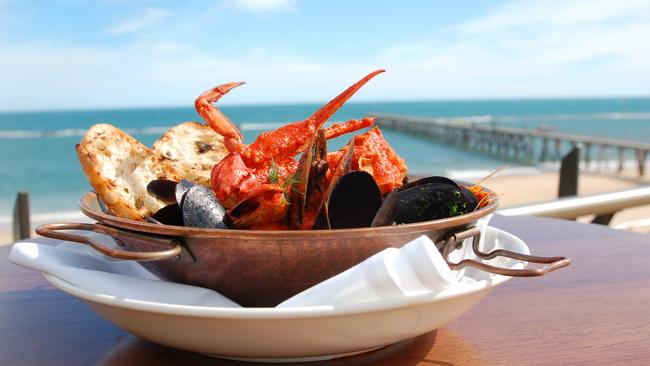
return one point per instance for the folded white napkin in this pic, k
(415, 269)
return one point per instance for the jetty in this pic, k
(519, 144)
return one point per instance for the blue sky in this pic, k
(73, 54)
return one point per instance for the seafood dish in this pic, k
(262, 222)
(205, 176)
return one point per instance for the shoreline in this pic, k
(516, 186)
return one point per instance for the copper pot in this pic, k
(263, 268)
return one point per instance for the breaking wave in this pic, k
(253, 126)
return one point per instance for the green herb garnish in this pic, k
(290, 184)
(274, 177)
(453, 210)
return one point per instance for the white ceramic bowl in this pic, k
(298, 333)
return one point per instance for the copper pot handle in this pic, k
(455, 240)
(53, 231)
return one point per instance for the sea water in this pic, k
(38, 156)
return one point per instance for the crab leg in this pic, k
(217, 120)
(352, 125)
(287, 141)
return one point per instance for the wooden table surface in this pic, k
(595, 312)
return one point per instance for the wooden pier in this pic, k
(519, 144)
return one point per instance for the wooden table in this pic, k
(596, 312)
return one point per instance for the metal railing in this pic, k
(574, 207)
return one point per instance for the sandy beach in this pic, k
(5, 237)
(515, 190)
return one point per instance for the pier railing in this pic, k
(521, 144)
(603, 205)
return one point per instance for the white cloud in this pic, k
(530, 49)
(148, 19)
(599, 51)
(88, 78)
(266, 5)
(556, 13)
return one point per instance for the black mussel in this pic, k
(201, 208)
(187, 205)
(385, 214)
(431, 201)
(309, 183)
(163, 190)
(426, 199)
(469, 196)
(354, 201)
(422, 181)
(168, 215)
(181, 188)
(472, 201)
(344, 166)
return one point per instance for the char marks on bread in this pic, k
(192, 149)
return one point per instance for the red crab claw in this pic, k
(216, 119)
(292, 139)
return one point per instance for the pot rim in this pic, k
(183, 231)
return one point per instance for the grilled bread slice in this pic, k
(119, 168)
(192, 149)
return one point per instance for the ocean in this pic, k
(37, 148)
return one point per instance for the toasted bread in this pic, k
(119, 168)
(192, 149)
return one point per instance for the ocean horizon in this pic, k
(39, 157)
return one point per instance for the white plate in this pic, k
(299, 333)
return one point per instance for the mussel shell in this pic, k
(429, 198)
(386, 213)
(344, 166)
(180, 189)
(200, 208)
(163, 190)
(310, 182)
(354, 201)
(427, 180)
(431, 201)
(168, 215)
(472, 201)
(469, 196)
